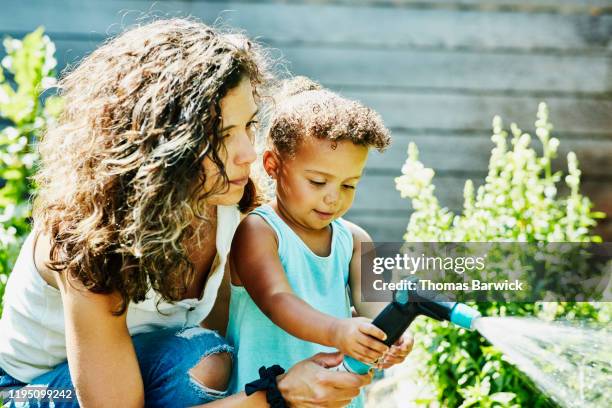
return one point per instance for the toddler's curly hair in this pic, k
(303, 108)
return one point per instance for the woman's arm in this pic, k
(219, 315)
(307, 384)
(98, 344)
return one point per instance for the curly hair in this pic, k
(303, 108)
(121, 176)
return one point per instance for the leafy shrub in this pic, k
(518, 202)
(27, 69)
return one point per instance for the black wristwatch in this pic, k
(267, 382)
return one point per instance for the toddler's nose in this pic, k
(331, 198)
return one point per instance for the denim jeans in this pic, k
(165, 357)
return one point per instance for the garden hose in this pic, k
(395, 318)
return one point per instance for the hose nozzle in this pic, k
(405, 307)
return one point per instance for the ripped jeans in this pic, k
(165, 357)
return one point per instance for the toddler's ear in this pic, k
(271, 163)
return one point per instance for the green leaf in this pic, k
(25, 62)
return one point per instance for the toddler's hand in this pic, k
(398, 351)
(360, 339)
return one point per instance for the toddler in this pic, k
(295, 260)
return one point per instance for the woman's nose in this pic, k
(246, 153)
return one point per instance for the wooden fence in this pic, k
(437, 71)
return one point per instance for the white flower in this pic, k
(405, 187)
(18, 145)
(542, 133)
(8, 213)
(11, 133)
(572, 180)
(4, 98)
(29, 159)
(7, 62)
(11, 45)
(553, 144)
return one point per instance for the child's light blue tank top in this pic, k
(320, 281)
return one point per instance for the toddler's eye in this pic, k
(317, 183)
(348, 186)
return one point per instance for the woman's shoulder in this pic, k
(41, 253)
(41, 248)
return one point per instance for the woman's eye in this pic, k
(317, 183)
(348, 186)
(252, 128)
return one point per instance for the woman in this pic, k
(141, 186)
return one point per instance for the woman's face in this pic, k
(238, 126)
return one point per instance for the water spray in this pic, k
(407, 304)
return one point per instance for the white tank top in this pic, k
(32, 336)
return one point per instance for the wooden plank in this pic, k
(381, 227)
(461, 153)
(475, 112)
(429, 70)
(447, 70)
(329, 24)
(442, 152)
(450, 111)
(389, 224)
(69, 52)
(484, 4)
(392, 228)
(378, 193)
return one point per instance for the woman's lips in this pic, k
(240, 182)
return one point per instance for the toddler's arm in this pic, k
(402, 347)
(368, 309)
(255, 265)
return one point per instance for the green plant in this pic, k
(27, 69)
(518, 202)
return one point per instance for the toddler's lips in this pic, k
(324, 215)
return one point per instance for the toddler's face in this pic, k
(318, 184)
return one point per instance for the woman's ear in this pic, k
(271, 163)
